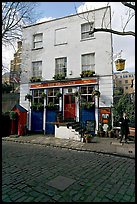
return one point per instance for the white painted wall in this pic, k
(100, 44)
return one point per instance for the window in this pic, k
(37, 40)
(61, 66)
(86, 94)
(88, 62)
(126, 88)
(52, 96)
(37, 69)
(36, 96)
(126, 81)
(61, 36)
(85, 30)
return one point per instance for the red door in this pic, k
(69, 107)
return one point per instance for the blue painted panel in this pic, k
(50, 117)
(37, 121)
(87, 115)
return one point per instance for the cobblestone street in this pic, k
(32, 173)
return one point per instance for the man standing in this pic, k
(124, 127)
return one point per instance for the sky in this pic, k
(52, 10)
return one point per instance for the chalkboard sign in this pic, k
(90, 125)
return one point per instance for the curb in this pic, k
(71, 148)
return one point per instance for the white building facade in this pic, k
(56, 53)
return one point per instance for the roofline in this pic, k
(66, 16)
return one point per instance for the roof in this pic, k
(55, 19)
(20, 108)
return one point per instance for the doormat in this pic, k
(60, 182)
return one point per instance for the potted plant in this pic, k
(51, 106)
(87, 138)
(59, 76)
(87, 105)
(87, 73)
(29, 97)
(35, 79)
(37, 106)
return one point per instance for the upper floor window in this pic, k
(37, 69)
(85, 30)
(61, 36)
(37, 40)
(88, 62)
(126, 81)
(61, 66)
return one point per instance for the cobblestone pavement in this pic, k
(27, 170)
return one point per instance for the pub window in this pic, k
(36, 96)
(52, 96)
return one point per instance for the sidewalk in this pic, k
(98, 145)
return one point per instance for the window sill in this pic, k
(61, 44)
(92, 38)
(37, 48)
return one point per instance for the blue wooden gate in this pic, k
(50, 117)
(37, 121)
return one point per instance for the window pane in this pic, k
(61, 66)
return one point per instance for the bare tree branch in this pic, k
(129, 4)
(112, 31)
(14, 16)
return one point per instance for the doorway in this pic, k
(69, 107)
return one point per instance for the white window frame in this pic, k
(37, 43)
(37, 69)
(61, 67)
(85, 30)
(88, 64)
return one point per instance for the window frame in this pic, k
(61, 70)
(40, 69)
(87, 31)
(90, 66)
(37, 41)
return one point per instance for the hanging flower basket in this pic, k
(120, 64)
(43, 95)
(58, 94)
(96, 93)
(29, 97)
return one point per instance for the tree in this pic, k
(14, 16)
(102, 28)
(124, 104)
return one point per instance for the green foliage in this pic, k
(124, 104)
(35, 79)
(37, 107)
(51, 106)
(59, 76)
(13, 115)
(6, 88)
(87, 73)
